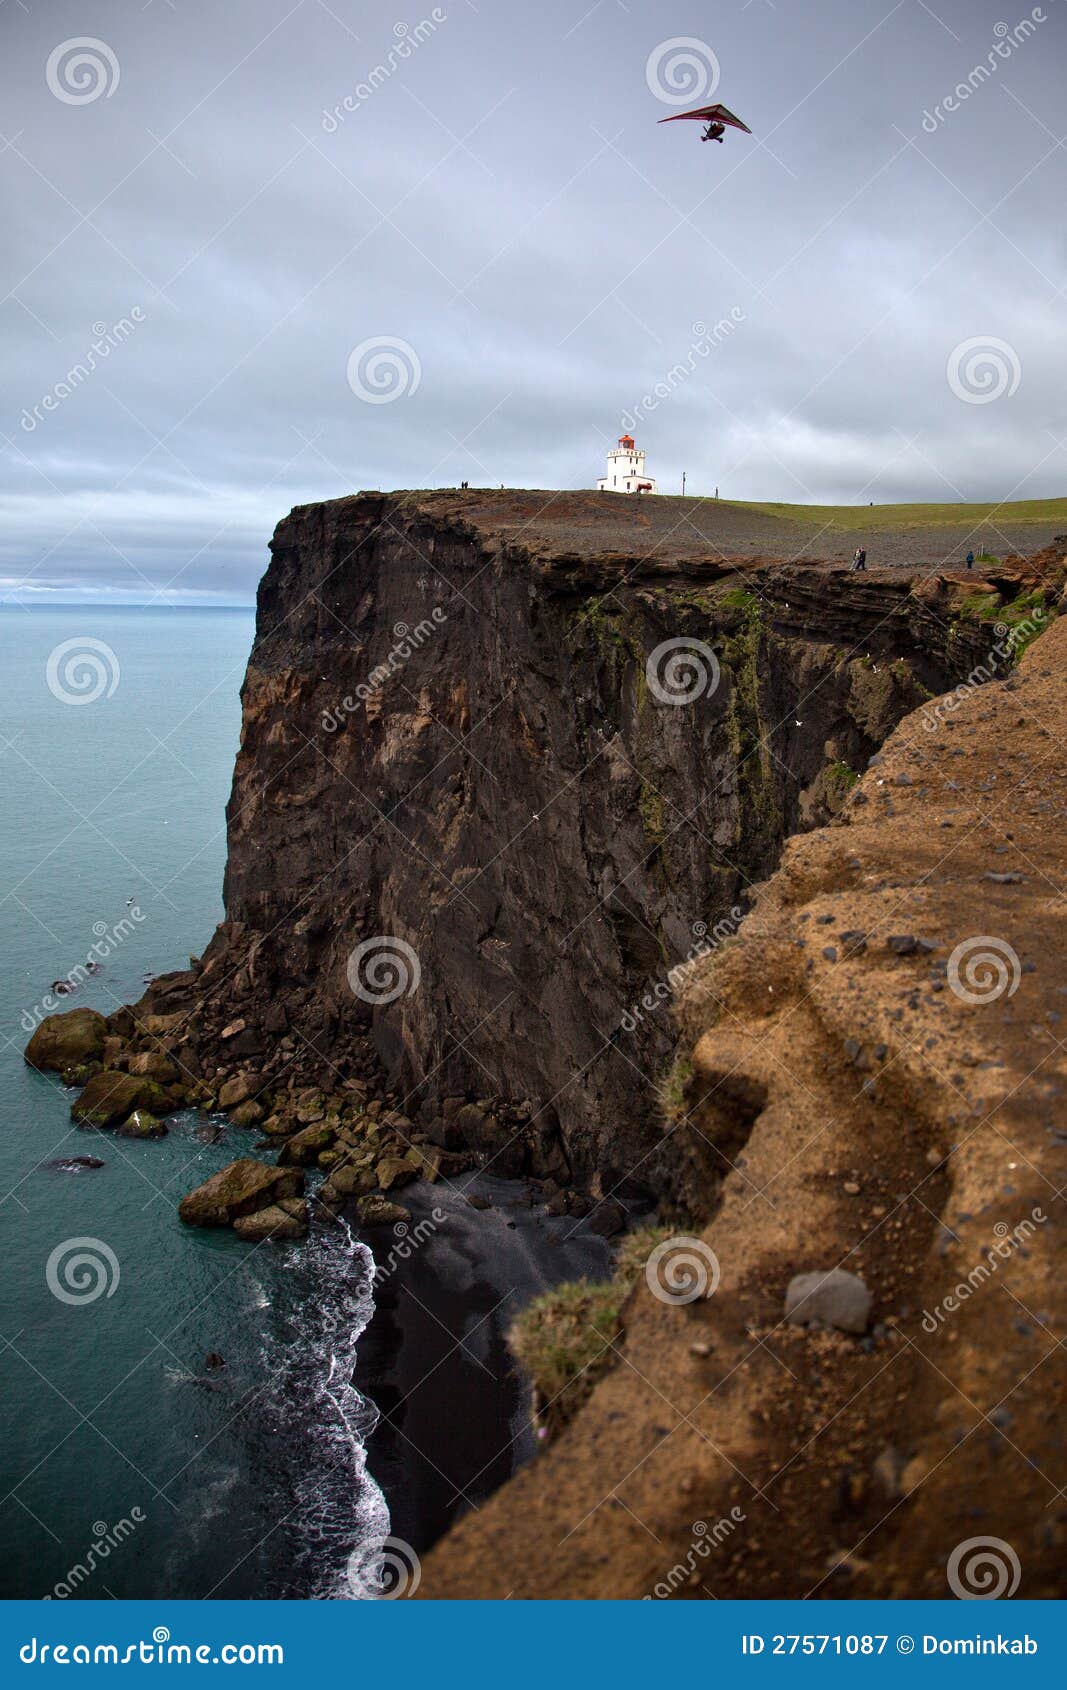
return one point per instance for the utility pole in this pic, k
(683, 484)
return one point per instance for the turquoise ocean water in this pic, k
(122, 1453)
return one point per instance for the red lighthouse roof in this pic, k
(627, 440)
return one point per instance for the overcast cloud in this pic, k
(500, 198)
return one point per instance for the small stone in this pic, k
(902, 944)
(836, 1298)
(700, 1349)
(851, 1187)
(1009, 879)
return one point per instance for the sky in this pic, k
(281, 250)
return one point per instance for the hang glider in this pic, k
(716, 118)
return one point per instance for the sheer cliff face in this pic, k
(466, 748)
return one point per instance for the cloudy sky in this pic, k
(210, 210)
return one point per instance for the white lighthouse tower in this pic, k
(626, 470)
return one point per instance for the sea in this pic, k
(129, 1465)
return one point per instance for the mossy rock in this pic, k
(304, 1147)
(241, 1188)
(65, 1040)
(111, 1097)
(141, 1124)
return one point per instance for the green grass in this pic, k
(564, 1337)
(874, 518)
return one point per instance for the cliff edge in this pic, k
(877, 1081)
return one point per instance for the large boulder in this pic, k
(378, 1211)
(237, 1090)
(154, 1065)
(241, 1188)
(110, 1097)
(62, 1041)
(275, 1221)
(304, 1147)
(395, 1170)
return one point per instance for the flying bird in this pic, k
(716, 118)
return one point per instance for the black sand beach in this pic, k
(454, 1411)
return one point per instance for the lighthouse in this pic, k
(626, 470)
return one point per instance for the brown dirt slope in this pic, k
(887, 1107)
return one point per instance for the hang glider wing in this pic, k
(709, 114)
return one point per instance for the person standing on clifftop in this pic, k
(859, 558)
(970, 560)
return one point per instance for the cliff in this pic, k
(877, 1082)
(627, 849)
(451, 744)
